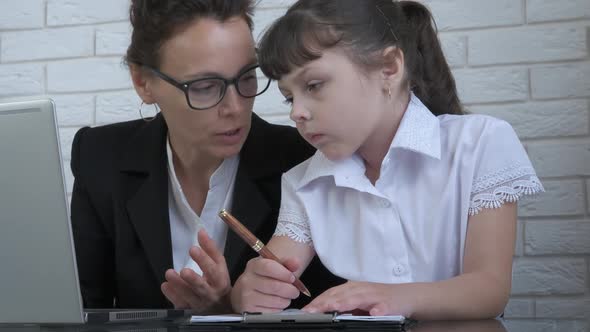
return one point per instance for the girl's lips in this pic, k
(314, 138)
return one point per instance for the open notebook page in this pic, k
(293, 315)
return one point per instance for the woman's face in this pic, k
(206, 48)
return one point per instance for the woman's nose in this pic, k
(232, 102)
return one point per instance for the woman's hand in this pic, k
(363, 297)
(265, 286)
(203, 294)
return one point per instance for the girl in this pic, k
(408, 199)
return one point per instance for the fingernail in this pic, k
(292, 278)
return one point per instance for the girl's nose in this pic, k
(299, 114)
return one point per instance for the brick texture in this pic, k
(28, 14)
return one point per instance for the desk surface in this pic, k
(516, 325)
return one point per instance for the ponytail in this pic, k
(429, 75)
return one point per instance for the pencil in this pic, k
(256, 244)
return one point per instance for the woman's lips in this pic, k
(232, 136)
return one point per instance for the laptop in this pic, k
(39, 278)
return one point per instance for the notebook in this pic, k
(39, 281)
(294, 316)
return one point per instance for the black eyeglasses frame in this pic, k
(185, 86)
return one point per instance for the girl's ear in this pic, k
(393, 64)
(142, 83)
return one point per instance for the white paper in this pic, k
(350, 317)
(343, 317)
(216, 319)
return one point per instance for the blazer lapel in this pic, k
(252, 213)
(250, 198)
(144, 175)
(145, 185)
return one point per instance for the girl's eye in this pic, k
(313, 85)
(288, 101)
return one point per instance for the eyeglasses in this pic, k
(207, 92)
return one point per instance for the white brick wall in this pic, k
(527, 44)
(545, 11)
(47, 44)
(468, 14)
(113, 39)
(557, 237)
(548, 276)
(75, 12)
(489, 85)
(534, 119)
(566, 80)
(88, 74)
(21, 79)
(27, 14)
(525, 61)
(562, 198)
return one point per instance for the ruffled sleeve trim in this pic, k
(506, 185)
(294, 226)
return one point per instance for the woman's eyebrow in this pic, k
(212, 74)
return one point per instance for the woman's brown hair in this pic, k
(155, 21)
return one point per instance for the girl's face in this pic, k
(206, 48)
(335, 105)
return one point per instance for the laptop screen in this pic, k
(39, 280)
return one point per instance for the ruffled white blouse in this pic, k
(411, 225)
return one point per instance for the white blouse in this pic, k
(185, 223)
(411, 225)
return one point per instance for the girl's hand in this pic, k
(265, 286)
(373, 298)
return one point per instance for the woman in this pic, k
(144, 189)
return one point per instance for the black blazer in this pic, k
(120, 217)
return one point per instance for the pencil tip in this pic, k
(306, 292)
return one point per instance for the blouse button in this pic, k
(398, 269)
(384, 203)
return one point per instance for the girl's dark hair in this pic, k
(155, 21)
(364, 28)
